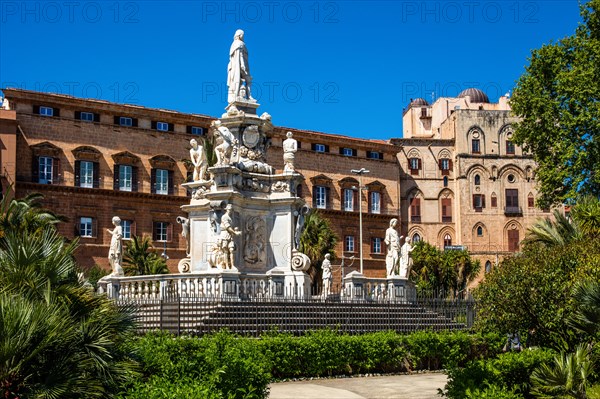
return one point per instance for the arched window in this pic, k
(477, 180)
(479, 231)
(416, 238)
(488, 266)
(447, 240)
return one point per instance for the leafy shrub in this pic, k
(492, 392)
(220, 366)
(508, 371)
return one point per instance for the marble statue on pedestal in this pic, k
(405, 259)
(327, 277)
(290, 147)
(238, 70)
(199, 160)
(185, 232)
(300, 216)
(115, 253)
(224, 143)
(392, 241)
(225, 244)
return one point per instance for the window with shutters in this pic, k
(197, 130)
(46, 111)
(415, 210)
(349, 201)
(375, 155)
(162, 231)
(512, 200)
(320, 197)
(125, 177)
(319, 147)
(162, 126)
(161, 181)
(86, 227)
(348, 152)
(446, 210)
(513, 240)
(349, 243)
(87, 174)
(87, 116)
(127, 226)
(375, 202)
(376, 245)
(478, 202)
(45, 170)
(445, 166)
(414, 164)
(126, 121)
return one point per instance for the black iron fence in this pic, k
(253, 316)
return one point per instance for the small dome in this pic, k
(477, 96)
(418, 102)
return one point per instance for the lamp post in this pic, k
(360, 173)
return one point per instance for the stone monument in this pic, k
(115, 253)
(392, 241)
(405, 259)
(244, 222)
(327, 276)
(290, 147)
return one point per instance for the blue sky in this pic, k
(344, 67)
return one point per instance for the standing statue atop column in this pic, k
(290, 146)
(392, 241)
(226, 244)
(199, 160)
(115, 253)
(405, 259)
(326, 266)
(238, 70)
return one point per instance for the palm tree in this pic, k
(587, 215)
(568, 377)
(317, 239)
(25, 214)
(139, 258)
(587, 312)
(557, 232)
(57, 338)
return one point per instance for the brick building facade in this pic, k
(455, 178)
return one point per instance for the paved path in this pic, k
(412, 386)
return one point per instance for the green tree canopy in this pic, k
(140, 258)
(317, 239)
(558, 100)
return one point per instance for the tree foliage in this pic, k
(140, 258)
(558, 100)
(317, 240)
(57, 338)
(445, 272)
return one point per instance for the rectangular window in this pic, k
(86, 227)
(162, 126)
(45, 170)
(125, 121)
(86, 116)
(126, 225)
(512, 200)
(475, 146)
(86, 174)
(349, 244)
(319, 147)
(320, 197)
(196, 130)
(446, 210)
(478, 202)
(160, 231)
(125, 177)
(445, 166)
(513, 240)
(494, 202)
(375, 205)
(376, 245)
(46, 111)
(348, 199)
(374, 155)
(530, 202)
(414, 165)
(348, 152)
(162, 182)
(510, 148)
(415, 210)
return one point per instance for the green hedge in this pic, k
(223, 366)
(507, 372)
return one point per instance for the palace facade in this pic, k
(454, 179)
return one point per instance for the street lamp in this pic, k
(360, 173)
